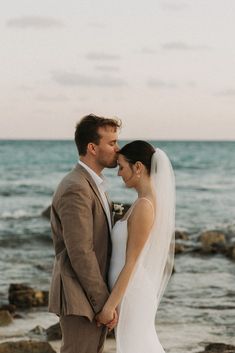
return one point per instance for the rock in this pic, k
(179, 248)
(213, 242)
(26, 347)
(18, 316)
(230, 252)
(181, 235)
(26, 297)
(219, 348)
(5, 318)
(54, 332)
(9, 307)
(37, 331)
(47, 212)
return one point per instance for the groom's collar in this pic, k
(99, 180)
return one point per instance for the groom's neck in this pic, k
(91, 163)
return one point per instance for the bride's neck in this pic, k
(144, 188)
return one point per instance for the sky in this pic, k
(165, 67)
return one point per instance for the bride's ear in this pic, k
(138, 167)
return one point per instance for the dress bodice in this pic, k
(119, 240)
(119, 236)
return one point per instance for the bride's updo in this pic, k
(138, 151)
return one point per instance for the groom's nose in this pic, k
(117, 148)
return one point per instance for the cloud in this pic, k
(156, 83)
(36, 22)
(147, 50)
(55, 98)
(181, 46)
(230, 92)
(102, 56)
(191, 83)
(170, 6)
(97, 25)
(73, 79)
(107, 68)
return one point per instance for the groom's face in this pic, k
(106, 150)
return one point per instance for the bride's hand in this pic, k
(106, 317)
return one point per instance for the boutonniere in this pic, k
(118, 208)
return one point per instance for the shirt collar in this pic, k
(97, 179)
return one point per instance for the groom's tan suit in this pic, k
(81, 238)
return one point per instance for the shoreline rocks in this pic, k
(23, 296)
(26, 347)
(213, 241)
(5, 318)
(219, 348)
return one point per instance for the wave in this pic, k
(17, 241)
(19, 214)
(22, 190)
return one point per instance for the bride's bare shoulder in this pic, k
(142, 212)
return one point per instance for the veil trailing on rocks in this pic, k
(155, 263)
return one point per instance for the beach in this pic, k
(198, 306)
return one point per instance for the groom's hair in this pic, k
(87, 130)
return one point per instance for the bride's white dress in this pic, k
(135, 332)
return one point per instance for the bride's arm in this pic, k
(139, 226)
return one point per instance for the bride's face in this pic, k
(126, 172)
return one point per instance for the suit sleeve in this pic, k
(77, 222)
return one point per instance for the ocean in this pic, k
(198, 305)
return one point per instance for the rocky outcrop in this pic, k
(213, 241)
(53, 332)
(23, 296)
(219, 348)
(179, 248)
(5, 318)
(37, 332)
(26, 347)
(230, 252)
(9, 307)
(182, 235)
(47, 212)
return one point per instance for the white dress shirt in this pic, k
(100, 183)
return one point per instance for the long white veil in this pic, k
(155, 263)
(158, 256)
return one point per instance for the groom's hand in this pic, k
(107, 317)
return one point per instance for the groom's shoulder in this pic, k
(75, 179)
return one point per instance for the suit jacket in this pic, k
(81, 239)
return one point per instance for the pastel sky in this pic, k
(165, 67)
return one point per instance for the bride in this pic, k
(143, 249)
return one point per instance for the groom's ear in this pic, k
(91, 148)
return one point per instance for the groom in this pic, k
(81, 224)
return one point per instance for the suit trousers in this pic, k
(79, 335)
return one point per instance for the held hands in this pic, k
(107, 317)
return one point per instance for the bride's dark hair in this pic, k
(138, 151)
